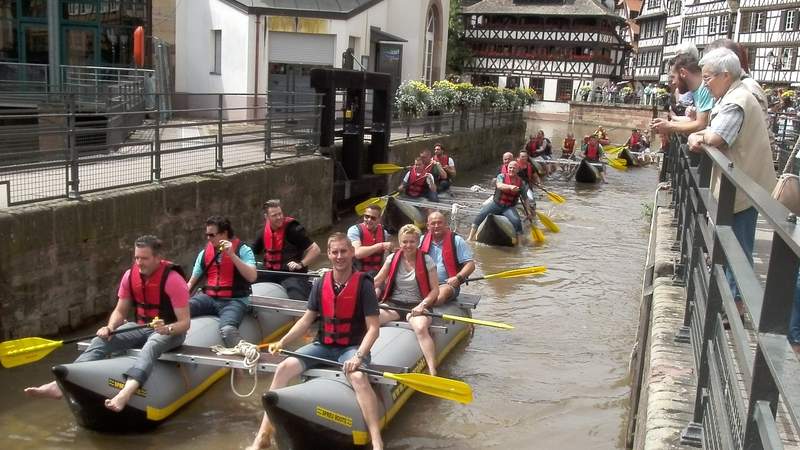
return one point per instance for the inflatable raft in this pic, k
(496, 230)
(587, 172)
(399, 212)
(630, 160)
(322, 412)
(171, 385)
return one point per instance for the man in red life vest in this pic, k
(287, 248)
(152, 287)
(370, 241)
(593, 152)
(568, 147)
(419, 183)
(345, 303)
(509, 189)
(229, 267)
(507, 157)
(636, 142)
(528, 169)
(446, 165)
(452, 255)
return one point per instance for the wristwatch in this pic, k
(460, 278)
(359, 355)
(169, 328)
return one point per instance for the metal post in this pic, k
(267, 132)
(219, 164)
(73, 176)
(156, 172)
(54, 45)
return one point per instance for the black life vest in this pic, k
(420, 273)
(273, 245)
(222, 278)
(507, 198)
(374, 261)
(449, 256)
(149, 293)
(336, 325)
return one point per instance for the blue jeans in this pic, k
(794, 322)
(230, 311)
(151, 343)
(331, 352)
(510, 212)
(744, 227)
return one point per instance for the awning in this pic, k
(376, 35)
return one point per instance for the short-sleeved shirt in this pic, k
(406, 289)
(428, 176)
(727, 122)
(245, 254)
(463, 255)
(367, 306)
(353, 234)
(296, 237)
(703, 101)
(175, 287)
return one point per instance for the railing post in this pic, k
(156, 172)
(219, 167)
(73, 176)
(267, 132)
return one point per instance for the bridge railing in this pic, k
(745, 372)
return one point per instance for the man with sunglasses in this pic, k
(370, 240)
(229, 267)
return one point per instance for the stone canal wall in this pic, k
(62, 260)
(615, 116)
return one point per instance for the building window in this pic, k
(790, 19)
(712, 24)
(430, 39)
(724, 22)
(564, 90)
(689, 27)
(655, 4)
(537, 84)
(216, 63)
(674, 8)
(757, 21)
(751, 58)
(787, 59)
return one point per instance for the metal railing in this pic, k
(739, 389)
(64, 154)
(452, 123)
(785, 127)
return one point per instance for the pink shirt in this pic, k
(175, 287)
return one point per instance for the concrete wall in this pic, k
(62, 260)
(618, 116)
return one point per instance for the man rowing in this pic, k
(370, 241)
(450, 253)
(229, 267)
(155, 289)
(507, 157)
(448, 166)
(592, 151)
(286, 248)
(509, 188)
(418, 182)
(344, 302)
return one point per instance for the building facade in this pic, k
(650, 47)
(253, 46)
(553, 46)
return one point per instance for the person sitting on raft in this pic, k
(503, 169)
(543, 150)
(155, 288)
(419, 183)
(345, 303)
(527, 169)
(593, 152)
(407, 276)
(568, 147)
(636, 142)
(602, 137)
(447, 166)
(508, 191)
(450, 253)
(370, 241)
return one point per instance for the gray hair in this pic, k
(721, 60)
(687, 48)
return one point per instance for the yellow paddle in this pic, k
(386, 168)
(614, 149)
(617, 163)
(548, 222)
(441, 387)
(523, 272)
(555, 198)
(380, 201)
(23, 351)
(454, 318)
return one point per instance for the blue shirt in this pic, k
(354, 235)
(703, 101)
(245, 254)
(463, 255)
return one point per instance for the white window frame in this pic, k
(791, 18)
(430, 33)
(757, 21)
(786, 58)
(712, 24)
(724, 22)
(216, 52)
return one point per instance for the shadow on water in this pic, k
(559, 380)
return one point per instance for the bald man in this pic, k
(452, 255)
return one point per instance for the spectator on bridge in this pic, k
(648, 94)
(685, 76)
(737, 129)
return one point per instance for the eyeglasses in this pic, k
(368, 217)
(708, 78)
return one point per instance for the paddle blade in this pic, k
(386, 169)
(445, 388)
(362, 207)
(26, 350)
(617, 163)
(525, 271)
(613, 150)
(487, 323)
(555, 198)
(548, 222)
(537, 235)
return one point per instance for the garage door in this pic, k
(301, 48)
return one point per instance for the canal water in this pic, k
(559, 380)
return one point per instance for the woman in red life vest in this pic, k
(408, 279)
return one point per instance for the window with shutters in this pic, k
(757, 21)
(724, 21)
(712, 24)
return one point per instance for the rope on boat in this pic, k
(251, 356)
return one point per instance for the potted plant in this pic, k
(412, 99)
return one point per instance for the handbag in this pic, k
(787, 191)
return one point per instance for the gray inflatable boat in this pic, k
(322, 412)
(496, 230)
(172, 384)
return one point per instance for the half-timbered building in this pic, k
(629, 10)
(552, 46)
(770, 30)
(652, 23)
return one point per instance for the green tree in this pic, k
(458, 54)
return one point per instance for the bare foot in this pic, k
(119, 401)
(262, 440)
(49, 390)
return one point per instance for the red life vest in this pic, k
(444, 160)
(149, 295)
(374, 261)
(506, 198)
(533, 144)
(417, 183)
(222, 277)
(504, 169)
(273, 245)
(420, 273)
(336, 325)
(569, 146)
(593, 151)
(634, 139)
(449, 256)
(525, 169)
